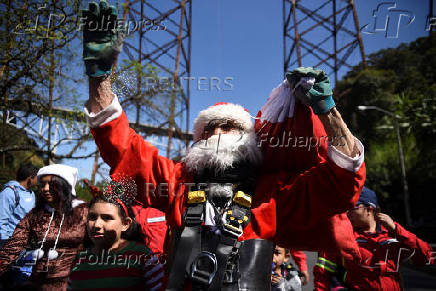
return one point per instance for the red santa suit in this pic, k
(305, 194)
(299, 258)
(382, 252)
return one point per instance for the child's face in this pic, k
(279, 256)
(105, 224)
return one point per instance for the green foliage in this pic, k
(401, 80)
(83, 192)
(22, 150)
(38, 54)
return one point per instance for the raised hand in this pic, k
(312, 87)
(386, 221)
(102, 38)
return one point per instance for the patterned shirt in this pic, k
(133, 267)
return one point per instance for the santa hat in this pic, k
(222, 110)
(67, 173)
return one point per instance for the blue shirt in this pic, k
(10, 213)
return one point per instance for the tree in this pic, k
(15, 155)
(38, 44)
(402, 81)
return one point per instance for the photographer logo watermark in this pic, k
(389, 19)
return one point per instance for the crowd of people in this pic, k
(233, 210)
(78, 245)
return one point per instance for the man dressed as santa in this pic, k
(241, 187)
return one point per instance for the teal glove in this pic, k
(102, 38)
(319, 96)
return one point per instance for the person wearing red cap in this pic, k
(383, 244)
(241, 187)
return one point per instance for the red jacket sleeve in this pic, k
(422, 252)
(306, 199)
(310, 208)
(128, 154)
(323, 271)
(300, 259)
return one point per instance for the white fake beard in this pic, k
(221, 152)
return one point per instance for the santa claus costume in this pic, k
(224, 200)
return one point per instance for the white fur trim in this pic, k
(68, 173)
(229, 111)
(76, 202)
(306, 82)
(344, 161)
(280, 104)
(220, 152)
(113, 111)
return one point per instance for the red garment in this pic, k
(153, 225)
(294, 140)
(381, 254)
(302, 202)
(299, 259)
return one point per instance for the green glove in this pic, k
(319, 96)
(102, 38)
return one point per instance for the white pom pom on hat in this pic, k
(37, 254)
(222, 110)
(52, 254)
(68, 173)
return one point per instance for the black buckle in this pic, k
(232, 230)
(194, 215)
(234, 220)
(204, 277)
(231, 275)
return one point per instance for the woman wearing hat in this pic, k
(54, 229)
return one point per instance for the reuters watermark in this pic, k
(178, 189)
(201, 83)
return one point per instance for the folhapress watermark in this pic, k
(43, 24)
(289, 140)
(106, 258)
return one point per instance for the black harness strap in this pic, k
(188, 247)
(222, 254)
(236, 220)
(209, 270)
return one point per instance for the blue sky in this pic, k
(242, 40)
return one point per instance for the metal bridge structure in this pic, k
(158, 48)
(320, 35)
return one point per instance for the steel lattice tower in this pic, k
(317, 35)
(168, 49)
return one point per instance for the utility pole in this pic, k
(401, 156)
(165, 44)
